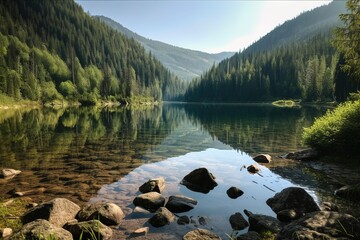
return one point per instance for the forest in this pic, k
(303, 65)
(53, 50)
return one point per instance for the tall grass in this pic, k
(338, 131)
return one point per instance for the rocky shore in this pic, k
(298, 216)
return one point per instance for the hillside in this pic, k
(184, 63)
(54, 51)
(295, 60)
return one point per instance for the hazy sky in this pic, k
(210, 26)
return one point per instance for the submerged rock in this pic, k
(179, 203)
(107, 213)
(322, 225)
(153, 185)
(262, 158)
(57, 211)
(293, 198)
(200, 180)
(349, 192)
(201, 234)
(183, 220)
(9, 173)
(150, 201)
(261, 223)
(41, 229)
(303, 155)
(234, 192)
(162, 217)
(253, 168)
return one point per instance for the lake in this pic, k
(104, 154)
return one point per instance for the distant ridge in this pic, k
(185, 63)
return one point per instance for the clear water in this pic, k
(92, 154)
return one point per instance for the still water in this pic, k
(97, 154)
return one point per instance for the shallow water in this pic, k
(90, 154)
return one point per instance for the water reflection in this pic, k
(99, 153)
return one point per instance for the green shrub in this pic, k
(337, 131)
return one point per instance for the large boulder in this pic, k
(322, 225)
(107, 213)
(57, 211)
(262, 158)
(200, 180)
(179, 203)
(201, 234)
(8, 173)
(234, 192)
(41, 229)
(92, 229)
(293, 198)
(238, 222)
(261, 223)
(153, 185)
(162, 217)
(150, 201)
(303, 155)
(349, 192)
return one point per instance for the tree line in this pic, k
(53, 50)
(315, 67)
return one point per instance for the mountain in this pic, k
(184, 63)
(53, 50)
(295, 60)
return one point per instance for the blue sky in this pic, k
(210, 26)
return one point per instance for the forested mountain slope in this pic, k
(185, 63)
(295, 60)
(53, 50)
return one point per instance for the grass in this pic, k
(10, 213)
(285, 103)
(338, 131)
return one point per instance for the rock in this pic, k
(183, 220)
(322, 225)
(107, 213)
(234, 192)
(153, 185)
(288, 215)
(251, 235)
(140, 232)
(5, 232)
(202, 221)
(262, 158)
(201, 234)
(9, 173)
(150, 201)
(140, 212)
(34, 191)
(349, 192)
(179, 203)
(253, 168)
(238, 222)
(57, 211)
(261, 223)
(41, 229)
(328, 206)
(199, 180)
(303, 155)
(293, 198)
(89, 229)
(162, 217)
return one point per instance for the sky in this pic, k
(206, 25)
